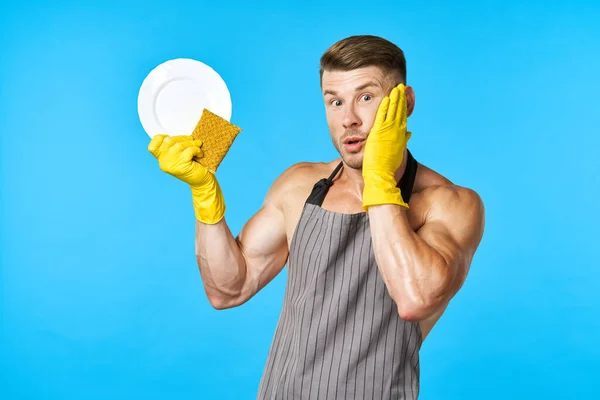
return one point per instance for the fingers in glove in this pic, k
(392, 109)
(401, 109)
(176, 149)
(382, 110)
(155, 143)
(181, 138)
(189, 153)
(171, 141)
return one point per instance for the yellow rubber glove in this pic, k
(384, 150)
(175, 155)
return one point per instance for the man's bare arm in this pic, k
(423, 270)
(234, 269)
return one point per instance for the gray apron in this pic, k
(339, 335)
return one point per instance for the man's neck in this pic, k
(353, 179)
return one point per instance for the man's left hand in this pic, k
(384, 151)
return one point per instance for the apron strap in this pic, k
(320, 189)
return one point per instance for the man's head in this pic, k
(356, 74)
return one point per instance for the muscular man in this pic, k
(376, 244)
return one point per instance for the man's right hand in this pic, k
(175, 155)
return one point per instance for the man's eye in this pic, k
(336, 102)
(367, 97)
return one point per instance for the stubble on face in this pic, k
(352, 160)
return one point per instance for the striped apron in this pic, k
(339, 335)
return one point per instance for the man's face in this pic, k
(351, 102)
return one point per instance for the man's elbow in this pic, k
(416, 310)
(219, 303)
(223, 303)
(415, 313)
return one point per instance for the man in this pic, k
(376, 244)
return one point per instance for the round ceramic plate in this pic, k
(173, 95)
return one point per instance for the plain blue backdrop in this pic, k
(100, 293)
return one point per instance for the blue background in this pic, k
(100, 293)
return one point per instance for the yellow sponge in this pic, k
(217, 135)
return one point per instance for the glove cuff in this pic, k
(209, 203)
(381, 189)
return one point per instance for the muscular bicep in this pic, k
(263, 243)
(453, 228)
(263, 239)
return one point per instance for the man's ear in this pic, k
(410, 100)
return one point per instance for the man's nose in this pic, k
(351, 118)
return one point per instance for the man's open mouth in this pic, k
(353, 140)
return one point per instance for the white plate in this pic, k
(173, 95)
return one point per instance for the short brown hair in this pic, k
(364, 51)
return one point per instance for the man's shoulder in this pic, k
(437, 190)
(451, 197)
(448, 193)
(458, 210)
(296, 181)
(312, 169)
(438, 199)
(305, 173)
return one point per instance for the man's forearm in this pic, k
(221, 263)
(416, 276)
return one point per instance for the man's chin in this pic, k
(353, 160)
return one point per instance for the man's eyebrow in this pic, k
(358, 88)
(366, 85)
